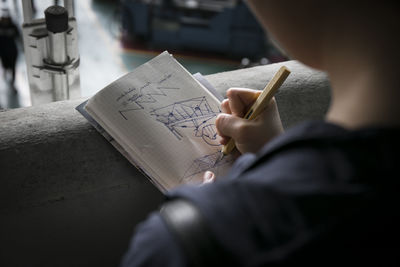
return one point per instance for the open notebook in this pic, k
(162, 120)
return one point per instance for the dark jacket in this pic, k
(319, 194)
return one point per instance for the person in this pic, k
(322, 193)
(8, 47)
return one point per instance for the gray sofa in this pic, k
(68, 198)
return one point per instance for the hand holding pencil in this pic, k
(250, 117)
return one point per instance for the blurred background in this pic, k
(114, 37)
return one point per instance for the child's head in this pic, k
(317, 32)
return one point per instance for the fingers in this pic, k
(208, 177)
(223, 140)
(229, 126)
(225, 106)
(250, 135)
(240, 100)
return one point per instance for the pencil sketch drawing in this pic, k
(205, 163)
(136, 101)
(194, 113)
(136, 98)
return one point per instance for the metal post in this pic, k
(60, 84)
(51, 53)
(57, 25)
(58, 48)
(27, 11)
(69, 5)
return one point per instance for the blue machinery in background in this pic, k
(221, 26)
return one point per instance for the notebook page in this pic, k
(165, 120)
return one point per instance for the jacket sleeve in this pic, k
(153, 245)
